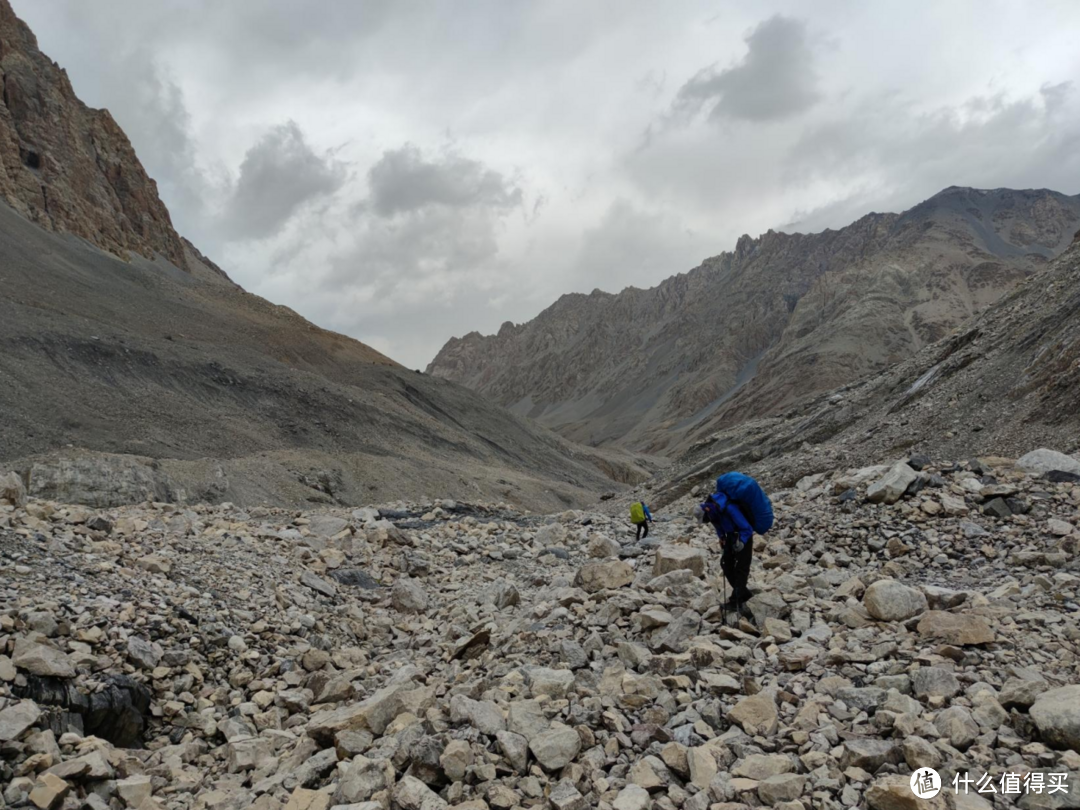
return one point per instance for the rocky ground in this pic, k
(421, 656)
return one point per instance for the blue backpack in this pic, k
(751, 499)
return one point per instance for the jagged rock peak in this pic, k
(68, 167)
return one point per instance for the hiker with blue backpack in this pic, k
(641, 517)
(737, 510)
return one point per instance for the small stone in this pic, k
(756, 715)
(955, 628)
(934, 682)
(781, 788)
(1021, 692)
(41, 659)
(891, 487)
(412, 794)
(702, 765)
(677, 558)
(607, 575)
(144, 654)
(556, 747)
(49, 791)
(408, 596)
(455, 759)
(554, 683)
(632, 797)
(564, 796)
(17, 718)
(134, 790)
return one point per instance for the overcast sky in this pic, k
(405, 172)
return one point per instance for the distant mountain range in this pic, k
(1005, 382)
(751, 331)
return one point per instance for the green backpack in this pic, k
(637, 513)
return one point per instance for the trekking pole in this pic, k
(723, 605)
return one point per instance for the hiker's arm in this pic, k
(741, 524)
(648, 514)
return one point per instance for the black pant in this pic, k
(736, 566)
(643, 525)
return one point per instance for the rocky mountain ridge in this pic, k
(1005, 381)
(778, 318)
(68, 167)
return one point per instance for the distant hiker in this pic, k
(737, 509)
(641, 517)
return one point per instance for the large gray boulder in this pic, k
(890, 601)
(12, 489)
(1057, 714)
(1042, 461)
(892, 486)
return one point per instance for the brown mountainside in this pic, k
(780, 317)
(1006, 382)
(67, 167)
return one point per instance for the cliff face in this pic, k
(780, 317)
(1004, 383)
(67, 167)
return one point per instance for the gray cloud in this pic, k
(638, 246)
(776, 79)
(426, 218)
(403, 181)
(549, 188)
(278, 175)
(887, 155)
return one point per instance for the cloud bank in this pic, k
(407, 172)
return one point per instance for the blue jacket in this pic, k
(727, 518)
(648, 514)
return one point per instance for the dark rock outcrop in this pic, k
(114, 712)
